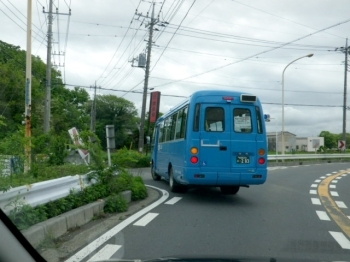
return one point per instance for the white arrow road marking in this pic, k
(105, 253)
(146, 219)
(173, 200)
(84, 252)
(323, 215)
(341, 239)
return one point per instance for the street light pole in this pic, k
(309, 55)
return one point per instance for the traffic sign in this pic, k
(341, 144)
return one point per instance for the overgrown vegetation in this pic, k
(130, 158)
(108, 186)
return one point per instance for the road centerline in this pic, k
(330, 205)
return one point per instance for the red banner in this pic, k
(154, 106)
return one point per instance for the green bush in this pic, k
(130, 159)
(138, 189)
(115, 203)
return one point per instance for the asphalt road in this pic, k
(293, 215)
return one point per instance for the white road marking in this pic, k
(334, 172)
(315, 201)
(105, 253)
(314, 185)
(349, 217)
(328, 174)
(339, 177)
(341, 239)
(334, 193)
(84, 252)
(323, 215)
(317, 180)
(344, 175)
(334, 181)
(173, 200)
(322, 177)
(313, 192)
(146, 219)
(340, 204)
(332, 186)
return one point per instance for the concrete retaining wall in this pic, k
(57, 226)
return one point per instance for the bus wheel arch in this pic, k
(174, 185)
(155, 176)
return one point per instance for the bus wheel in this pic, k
(229, 190)
(175, 186)
(154, 175)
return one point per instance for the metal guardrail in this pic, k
(46, 191)
(42, 192)
(307, 156)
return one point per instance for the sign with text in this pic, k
(154, 107)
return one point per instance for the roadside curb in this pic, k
(58, 226)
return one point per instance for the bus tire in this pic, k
(154, 175)
(175, 186)
(229, 190)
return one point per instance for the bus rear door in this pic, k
(215, 146)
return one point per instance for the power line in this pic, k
(251, 56)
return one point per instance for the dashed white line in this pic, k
(334, 172)
(173, 200)
(322, 177)
(323, 215)
(334, 181)
(344, 175)
(317, 180)
(339, 177)
(105, 253)
(340, 204)
(332, 186)
(341, 239)
(328, 174)
(314, 185)
(349, 217)
(334, 193)
(315, 201)
(146, 219)
(313, 192)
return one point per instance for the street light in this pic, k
(309, 55)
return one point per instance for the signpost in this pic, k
(341, 145)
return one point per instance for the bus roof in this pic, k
(202, 93)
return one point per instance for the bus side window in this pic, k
(197, 112)
(259, 120)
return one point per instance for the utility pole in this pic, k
(28, 91)
(93, 112)
(47, 111)
(346, 51)
(144, 96)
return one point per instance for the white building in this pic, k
(309, 144)
(293, 143)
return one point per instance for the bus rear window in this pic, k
(214, 119)
(259, 120)
(197, 112)
(242, 120)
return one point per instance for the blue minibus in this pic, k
(214, 138)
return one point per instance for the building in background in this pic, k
(293, 143)
(309, 144)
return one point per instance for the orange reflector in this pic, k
(261, 160)
(261, 151)
(194, 160)
(194, 150)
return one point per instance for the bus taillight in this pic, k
(261, 160)
(261, 151)
(194, 160)
(194, 150)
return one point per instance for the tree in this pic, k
(330, 140)
(113, 110)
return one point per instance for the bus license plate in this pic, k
(242, 160)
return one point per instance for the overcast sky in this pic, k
(208, 44)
